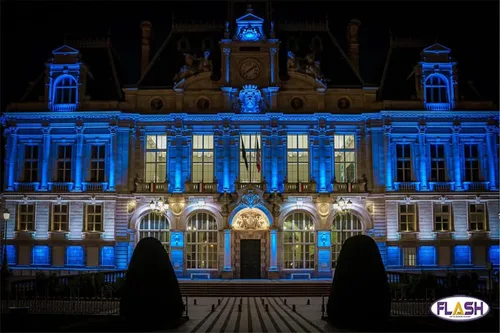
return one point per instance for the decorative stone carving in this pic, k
(309, 65)
(249, 33)
(205, 64)
(194, 65)
(292, 62)
(323, 209)
(250, 98)
(250, 221)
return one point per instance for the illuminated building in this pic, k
(257, 159)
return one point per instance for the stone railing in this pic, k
(60, 186)
(26, 187)
(477, 186)
(262, 185)
(442, 186)
(356, 187)
(200, 187)
(300, 187)
(407, 186)
(151, 187)
(94, 187)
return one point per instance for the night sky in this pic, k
(31, 30)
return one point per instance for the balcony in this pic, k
(477, 186)
(94, 186)
(442, 186)
(358, 186)
(60, 186)
(309, 187)
(407, 186)
(200, 187)
(261, 185)
(151, 187)
(26, 187)
(438, 106)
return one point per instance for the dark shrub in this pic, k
(151, 298)
(360, 297)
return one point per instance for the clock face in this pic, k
(249, 69)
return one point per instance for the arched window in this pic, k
(157, 226)
(201, 242)
(436, 89)
(65, 90)
(344, 226)
(299, 244)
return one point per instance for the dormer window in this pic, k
(65, 93)
(436, 92)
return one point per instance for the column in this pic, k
(79, 157)
(273, 250)
(272, 53)
(45, 158)
(178, 164)
(359, 153)
(227, 250)
(227, 54)
(12, 147)
(322, 165)
(423, 158)
(331, 141)
(369, 161)
(112, 152)
(457, 170)
(491, 149)
(274, 159)
(388, 158)
(131, 163)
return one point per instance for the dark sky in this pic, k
(30, 30)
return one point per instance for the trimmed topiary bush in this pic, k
(151, 298)
(360, 296)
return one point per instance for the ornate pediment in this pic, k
(250, 197)
(250, 219)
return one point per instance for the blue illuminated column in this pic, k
(273, 53)
(331, 147)
(457, 172)
(492, 158)
(274, 250)
(227, 55)
(274, 160)
(227, 250)
(322, 162)
(423, 157)
(178, 164)
(112, 152)
(12, 146)
(388, 158)
(369, 156)
(226, 155)
(79, 157)
(45, 158)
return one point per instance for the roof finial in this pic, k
(249, 9)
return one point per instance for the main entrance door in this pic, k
(250, 259)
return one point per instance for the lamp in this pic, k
(6, 217)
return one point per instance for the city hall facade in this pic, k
(250, 152)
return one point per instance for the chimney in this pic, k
(353, 43)
(145, 45)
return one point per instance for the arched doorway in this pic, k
(344, 225)
(157, 226)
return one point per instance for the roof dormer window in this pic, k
(65, 93)
(436, 93)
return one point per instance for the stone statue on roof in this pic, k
(205, 64)
(193, 65)
(292, 62)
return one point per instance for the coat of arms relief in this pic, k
(250, 221)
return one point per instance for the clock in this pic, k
(249, 69)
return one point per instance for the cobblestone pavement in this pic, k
(258, 314)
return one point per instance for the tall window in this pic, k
(410, 256)
(442, 217)
(403, 163)
(97, 158)
(407, 218)
(477, 217)
(30, 163)
(250, 143)
(203, 159)
(157, 226)
(94, 218)
(344, 226)
(60, 217)
(345, 158)
(156, 158)
(64, 155)
(26, 217)
(299, 244)
(201, 242)
(436, 89)
(65, 90)
(438, 171)
(298, 158)
(471, 154)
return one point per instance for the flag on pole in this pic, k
(257, 155)
(244, 153)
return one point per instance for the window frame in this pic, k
(307, 240)
(297, 149)
(407, 172)
(30, 161)
(204, 164)
(53, 214)
(437, 211)
(438, 160)
(59, 85)
(99, 161)
(468, 169)
(251, 158)
(156, 151)
(155, 232)
(211, 247)
(19, 214)
(410, 262)
(484, 215)
(440, 87)
(89, 214)
(341, 219)
(67, 170)
(414, 214)
(344, 151)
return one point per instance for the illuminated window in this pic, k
(97, 158)
(436, 89)
(442, 218)
(94, 218)
(410, 256)
(471, 158)
(75, 255)
(477, 217)
(438, 171)
(251, 148)
(64, 155)
(60, 217)
(297, 158)
(157, 226)
(299, 245)
(156, 158)
(407, 218)
(31, 163)
(40, 255)
(26, 217)
(344, 226)
(201, 242)
(345, 158)
(203, 159)
(65, 90)
(403, 163)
